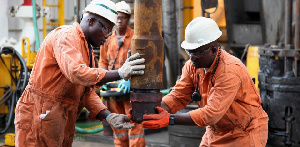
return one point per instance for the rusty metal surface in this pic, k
(147, 41)
(144, 103)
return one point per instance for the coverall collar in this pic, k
(81, 34)
(126, 33)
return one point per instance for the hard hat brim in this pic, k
(191, 46)
(123, 11)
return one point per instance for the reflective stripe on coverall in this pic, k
(231, 110)
(108, 53)
(47, 111)
(126, 138)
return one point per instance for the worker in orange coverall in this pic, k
(64, 79)
(229, 104)
(112, 57)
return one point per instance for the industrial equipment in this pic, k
(148, 42)
(241, 21)
(15, 78)
(279, 78)
(279, 83)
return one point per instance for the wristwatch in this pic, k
(172, 120)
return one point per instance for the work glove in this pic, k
(156, 121)
(124, 85)
(119, 121)
(131, 67)
(104, 86)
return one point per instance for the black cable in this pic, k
(19, 89)
(11, 112)
(196, 95)
(120, 43)
(6, 95)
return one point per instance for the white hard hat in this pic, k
(104, 8)
(200, 31)
(122, 6)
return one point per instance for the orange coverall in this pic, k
(60, 85)
(120, 104)
(231, 110)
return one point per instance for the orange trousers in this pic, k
(126, 138)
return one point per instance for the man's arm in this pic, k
(111, 75)
(180, 118)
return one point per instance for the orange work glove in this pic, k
(156, 121)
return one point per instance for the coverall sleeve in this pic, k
(93, 104)
(103, 62)
(180, 95)
(68, 53)
(220, 97)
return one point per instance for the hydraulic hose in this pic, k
(11, 113)
(36, 31)
(6, 95)
(19, 89)
(88, 131)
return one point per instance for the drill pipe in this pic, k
(148, 42)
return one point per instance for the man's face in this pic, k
(203, 56)
(122, 21)
(100, 29)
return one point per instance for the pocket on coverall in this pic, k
(53, 124)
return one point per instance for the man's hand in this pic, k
(119, 121)
(156, 121)
(131, 67)
(124, 85)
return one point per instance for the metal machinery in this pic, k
(15, 77)
(17, 59)
(243, 24)
(148, 42)
(279, 78)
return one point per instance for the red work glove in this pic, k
(156, 121)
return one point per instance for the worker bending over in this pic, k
(64, 79)
(229, 104)
(112, 56)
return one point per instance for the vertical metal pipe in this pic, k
(297, 25)
(170, 39)
(288, 22)
(147, 41)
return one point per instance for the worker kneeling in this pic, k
(64, 79)
(229, 104)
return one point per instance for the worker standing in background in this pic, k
(229, 104)
(64, 79)
(112, 56)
